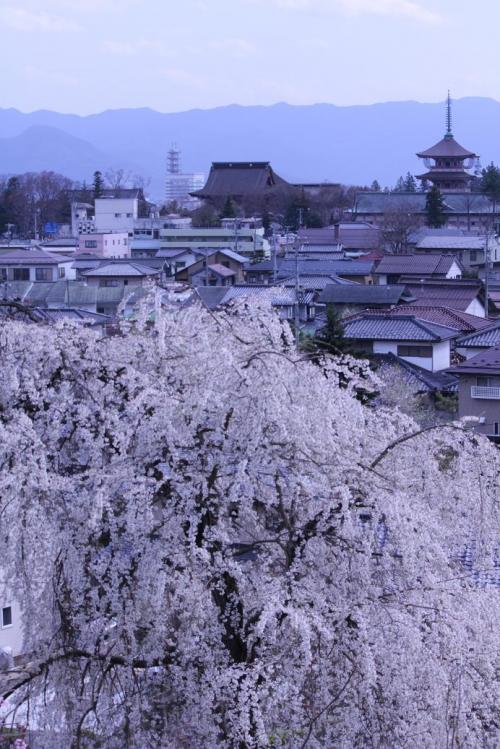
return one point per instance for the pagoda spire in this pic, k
(449, 134)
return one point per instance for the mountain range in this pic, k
(313, 143)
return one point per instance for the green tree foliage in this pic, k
(331, 337)
(435, 208)
(98, 184)
(44, 196)
(490, 184)
(229, 210)
(410, 183)
(400, 185)
(375, 186)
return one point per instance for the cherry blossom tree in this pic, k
(216, 543)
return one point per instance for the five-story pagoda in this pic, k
(451, 160)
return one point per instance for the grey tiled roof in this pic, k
(29, 257)
(454, 242)
(450, 318)
(487, 361)
(482, 338)
(417, 264)
(286, 267)
(276, 295)
(454, 295)
(211, 296)
(121, 269)
(361, 294)
(414, 202)
(317, 283)
(387, 328)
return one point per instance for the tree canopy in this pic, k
(216, 544)
(435, 208)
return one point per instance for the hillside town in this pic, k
(115, 312)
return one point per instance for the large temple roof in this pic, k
(447, 148)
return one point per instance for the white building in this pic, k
(11, 631)
(107, 245)
(116, 215)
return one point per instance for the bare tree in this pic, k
(398, 224)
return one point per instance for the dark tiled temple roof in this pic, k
(447, 148)
(239, 178)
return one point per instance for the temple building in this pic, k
(448, 162)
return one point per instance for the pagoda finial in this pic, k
(448, 117)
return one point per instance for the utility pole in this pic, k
(486, 271)
(296, 305)
(275, 259)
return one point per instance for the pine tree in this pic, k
(375, 186)
(435, 208)
(400, 185)
(410, 183)
(331, 337)
(490, 185)
(98, 184)
(228, 211)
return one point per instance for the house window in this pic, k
(118, 215)
(129, 215)
(21, 274)
(473, 256)
(43, 274)
(483, 381)
(415, 351)
(7, 616)
(109, 283)
(90, 244)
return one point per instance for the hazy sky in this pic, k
(84, 56)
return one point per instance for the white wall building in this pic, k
(108, 245)
(116, 215)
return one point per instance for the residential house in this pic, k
(466, 295)
(475, 343)
(126, 274)
(287, 301)
(29, 265)
(392, 268)
(467, 247)
(419, 342)
(360, 296)
(271, 271)
(214, 274)
(462, 322)
(479, 391)
(196, 272)
(64, 246)
(11, 630)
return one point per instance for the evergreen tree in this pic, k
(435, 208)
(490, 185)
(98, 184)
(375, 186)
(400, 185)
(410, 183)
(331, 337)
(228, 210)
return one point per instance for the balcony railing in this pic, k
(487, 393)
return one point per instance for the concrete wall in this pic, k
(116, 214)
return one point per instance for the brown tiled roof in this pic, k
(451, 318)
(447, 147)
(455, 295)
(427, 264)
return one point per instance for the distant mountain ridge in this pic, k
(352, 145)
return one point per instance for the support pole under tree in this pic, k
(296, 305)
